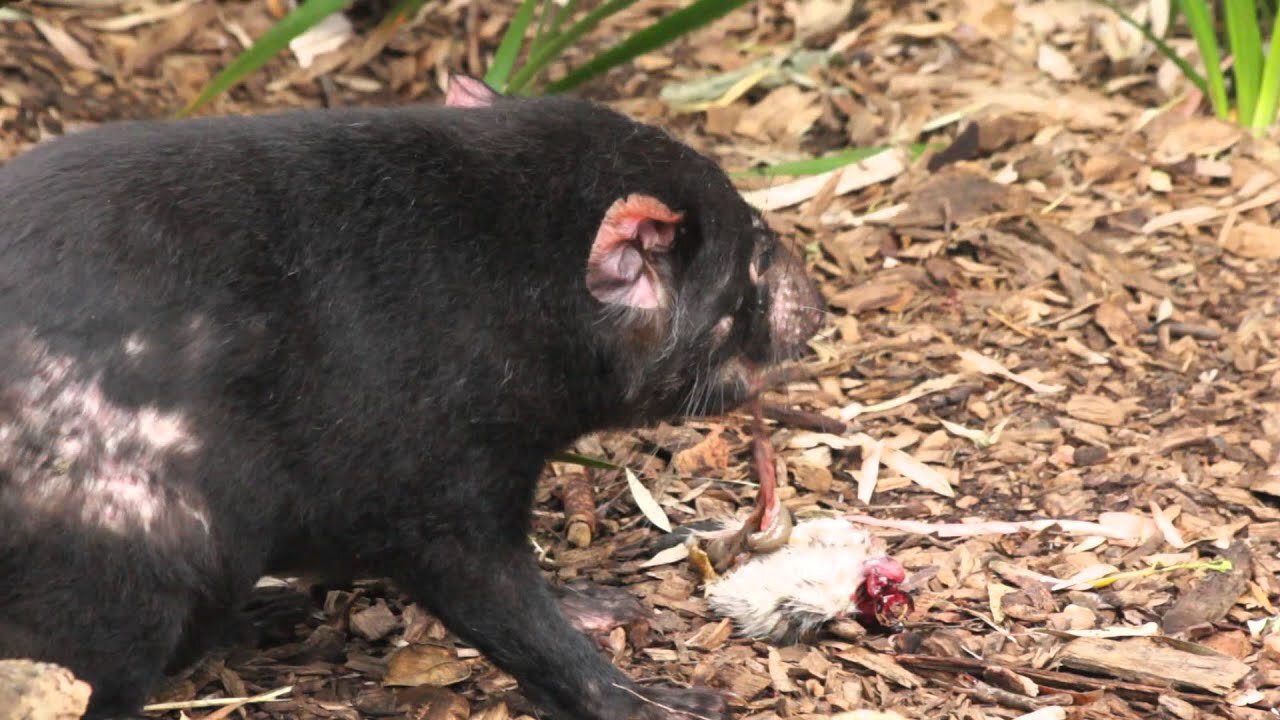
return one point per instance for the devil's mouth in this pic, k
(738, 381)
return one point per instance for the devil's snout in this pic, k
(796, 306)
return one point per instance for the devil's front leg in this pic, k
(478, 575)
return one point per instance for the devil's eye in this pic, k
(763, 258)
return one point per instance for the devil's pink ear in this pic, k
(466, 91)
(621, 268)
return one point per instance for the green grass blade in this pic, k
(303, 18)
(679, 23)
(1246, 52)
(1202, 28)
(1189, 72)
(585, 461)
(827, 163)
(548, 52)
(565, 12)
(505, 59)
(815, 166)
(915, 150)
(1265, 114)
(546, 21)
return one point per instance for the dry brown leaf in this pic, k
(1116, 323)
(415, 665)
(873, 296)
(819, 17)
(162, 40)
(1254, 240)
(711, 454)
(442, 704)
(1052, 62)
(875, 169)
(784, 114)
(926, 476)
(70, 48)
(1166, 526)
(128, 21)
(1109, 167)
(1198, 136)
(1190, 216)
(814, 478)
(1101, 410)
(995, 600)
(978, 362)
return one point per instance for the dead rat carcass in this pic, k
(828, 569)
(779, 580)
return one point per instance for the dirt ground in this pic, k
(1067, 310)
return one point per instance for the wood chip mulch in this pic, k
(1050, 378)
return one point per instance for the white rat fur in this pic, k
(814, 578)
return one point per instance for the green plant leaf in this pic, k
(583, 460)
(303, 18)
(565, 12)
(915, 150)
(553, 15)
(1246, 52)
(1202, 28)
(1265, 114)
(669, 28)
(550, 10)
(815, 166)
(1188, 71)
(552, 48)
(509, 49)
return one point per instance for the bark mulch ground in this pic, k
(1050, 378)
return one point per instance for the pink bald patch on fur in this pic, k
(620, 269)
(469, 92)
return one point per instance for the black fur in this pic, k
(343, 341)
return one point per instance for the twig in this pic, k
(273, 696)
(805, 420)
(1048, 677)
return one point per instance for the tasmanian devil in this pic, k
(347, 341)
